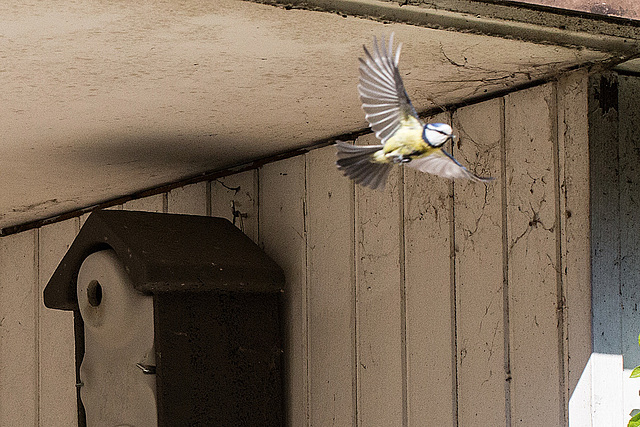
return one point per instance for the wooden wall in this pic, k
(615, 198)
(428, 303)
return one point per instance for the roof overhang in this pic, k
(104, 99)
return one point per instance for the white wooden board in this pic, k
(330, 264)
(629, 166)
(573, 150)
(56, 350)
(283, 236)
(479, 268)
(235, 197)
(379, 296)
(606, 361)
(19, 304)
(430, 301)
(537, 395)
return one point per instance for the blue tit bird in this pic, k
(405, 138)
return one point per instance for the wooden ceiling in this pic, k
(105, 99)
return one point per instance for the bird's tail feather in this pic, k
(355, 162)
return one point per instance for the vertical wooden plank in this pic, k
(155, 203)
(379, 302)
(283, 236)
(429, 298)
(19, 299)
(530, 131)
(235, 197)
(190, 199)
(331, 292)
(479, 268)
(629, 153)
(606, 361)
(57, 373)
(573, 141)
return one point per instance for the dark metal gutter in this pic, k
(522, 21)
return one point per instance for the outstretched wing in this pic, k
(443, 164)
(384, 99)
(355, 162)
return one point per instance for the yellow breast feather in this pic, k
(405, 139)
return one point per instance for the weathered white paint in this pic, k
(191, 199)
(429, 298)
(615, 191)
(379, 287)
(395, 306)
(573, 136)
(235, 197)
(573, 162)
(532, 232)
(606, 360)
(282, 199)
(19, 306)
(56, 344)
(629, 167)
(121, 97)
(331, 310)
(479, 256)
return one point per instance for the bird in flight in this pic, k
(404, 138)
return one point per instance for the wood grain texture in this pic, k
(379, 298)
(429, 295)
(479, 268)
(331, 298)
(235, 197)
(57, 372)
(190, 199)
(19, 303)
(283, 236)
(531, 213)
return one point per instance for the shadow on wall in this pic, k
(605, 389)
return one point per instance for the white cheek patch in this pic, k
(435, 138)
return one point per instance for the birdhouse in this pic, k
(177, 322)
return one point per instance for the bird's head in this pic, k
(436, 134)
